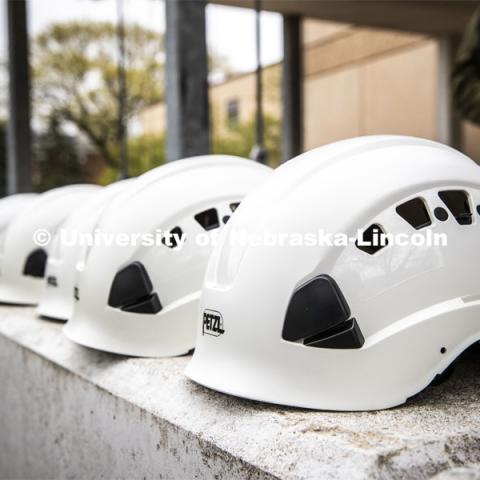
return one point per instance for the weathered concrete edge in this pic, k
(295, 444)
(210, 460)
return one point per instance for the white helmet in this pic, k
(10, 208)
(141, 299)
(352, 327)
(58, 296)
(26, 242)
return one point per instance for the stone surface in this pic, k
(70, 412)
(460, 473)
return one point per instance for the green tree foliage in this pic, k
(240, 139)
(75, 77)
(57, 159)
(144, 153)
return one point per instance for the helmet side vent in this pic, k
(148, 305)
(36, 264)
(132, 291)
(318, 316)
(346, 335)
(415, 213)
(457, 201)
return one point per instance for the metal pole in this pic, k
(122, 93)
(259, 152)
(449, 128)
(188, 125)
(292, 88)
(19, 162)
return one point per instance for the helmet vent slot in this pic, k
(372, 240)
(36, 264)
(459, 205)
(316, 306)
(415, 213)
(148, 305)
(208, 219)
(345, 335)
(234, 206)
(176, 235)
(318, 316)
(132, 291)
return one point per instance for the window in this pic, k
(232, 113)
(415, 213)
(458, 204)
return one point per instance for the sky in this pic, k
(230, 30)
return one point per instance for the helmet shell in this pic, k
(11, 207)
(58, 296)
(24, 259)
(156, 311)
(416, 307)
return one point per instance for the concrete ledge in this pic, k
(70, 412)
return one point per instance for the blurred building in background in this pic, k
(232, 103)
(356, 81)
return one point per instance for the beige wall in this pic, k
(399, 92)
(379, 96)
(351, 46)
(242, 89)
(314, 31)
(332, 107)
(369, 82)
(363, 82)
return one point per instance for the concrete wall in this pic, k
(58, 422)
(75, 413)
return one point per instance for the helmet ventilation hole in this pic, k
(175, 236)
(208, 219)
(441, 214)
(459, 205)
(443, 350)
(415, 213)
(372, 240)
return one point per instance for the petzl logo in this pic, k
(212, 323)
